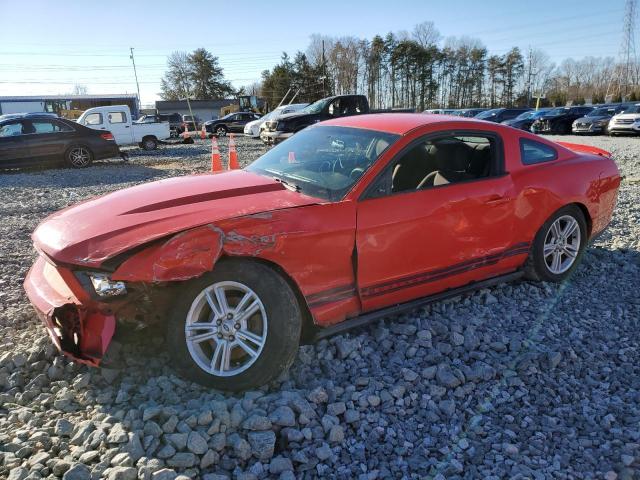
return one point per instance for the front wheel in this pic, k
(558, 246)
(79, 156)
(235, 328)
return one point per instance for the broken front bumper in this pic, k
(79, 326)
(274, 137)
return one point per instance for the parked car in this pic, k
(254, 128)
(193, 122)
(117, 120)
(238, 267)
(232, 123)
(559, 120)
(627, 122)
(597, 120)
(327, 108)
(174, 119)
(471, 112)
(499, 115)
(28, 140)
(525, 119)
(441, 111)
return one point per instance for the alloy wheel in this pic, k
(80, 157)
(226, 328)
(562, 244)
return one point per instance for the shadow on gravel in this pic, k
(100, 173)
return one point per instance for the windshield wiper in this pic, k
(289, 185)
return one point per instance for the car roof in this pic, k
(397, 123)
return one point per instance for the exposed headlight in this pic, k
(105, 287)
(601, 123)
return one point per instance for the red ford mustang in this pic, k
(345, 222)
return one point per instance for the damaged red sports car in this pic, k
(347, 221)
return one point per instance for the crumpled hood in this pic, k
(91, 232)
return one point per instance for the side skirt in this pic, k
(369, 317)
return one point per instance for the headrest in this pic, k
(452, 156)
(381, 145)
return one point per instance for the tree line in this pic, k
(417, 69)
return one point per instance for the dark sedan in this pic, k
(498, 115)
(597, 121)
(28, 140)
(232, 123)
(559, 120)
(526, 119)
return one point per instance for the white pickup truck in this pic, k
(117, 120)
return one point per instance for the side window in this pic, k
(117, 117)
(11, 129)
(335, 108)
(361, 105)
(44, 126)
(93, 119)
(444, 160)
(532, 152)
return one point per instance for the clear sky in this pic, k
(47, 46)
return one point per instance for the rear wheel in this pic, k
(235, 328)
(79, 156)
(221, 130)
(558, 246)
(149, 143)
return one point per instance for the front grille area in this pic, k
(624, 121)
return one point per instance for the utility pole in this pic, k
(627, 54)
(135, 73)
(324, 72)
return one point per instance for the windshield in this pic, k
(633, 109)
(487, 114)
(601, 112)
(557, 111)
(324, 161)
(315, 107)
(525, 115)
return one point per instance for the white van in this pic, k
(117, 120)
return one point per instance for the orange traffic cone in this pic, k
(216, 162)
(185, 134)
(203, 135)
(292, 157)
(233, 155)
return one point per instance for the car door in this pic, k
(48, 139)
(416, 238)
(118, 124)
(13, 151)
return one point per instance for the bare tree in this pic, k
(79, 89)
(426, 34)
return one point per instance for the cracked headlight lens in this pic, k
(105, 287)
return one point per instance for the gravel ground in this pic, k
(519, 381)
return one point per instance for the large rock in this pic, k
(262, 444)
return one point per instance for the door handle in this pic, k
(497, 200)
(126, 126)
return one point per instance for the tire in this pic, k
(220, 131)
(78, 156)
(569, 252)
(274, 347)
(149, 143)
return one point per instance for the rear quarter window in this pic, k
(532, 152)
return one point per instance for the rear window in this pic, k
(93, 119)
(117, 117)
(532, 152)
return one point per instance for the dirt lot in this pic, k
(520, 381)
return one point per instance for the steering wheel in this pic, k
(356, 173)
